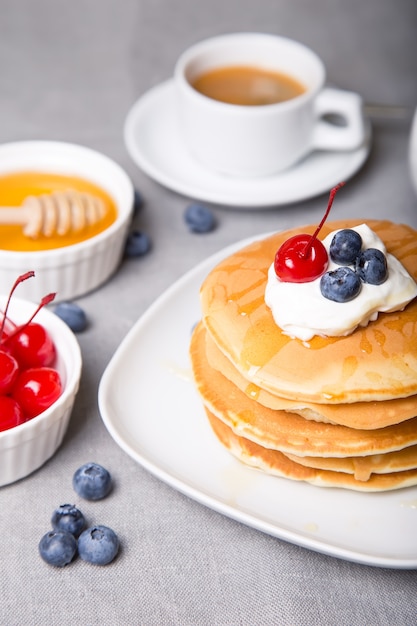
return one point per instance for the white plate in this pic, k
(151, 409)
(154, 142)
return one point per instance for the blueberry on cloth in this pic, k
(58, 547)
(69, 518)
(371, 266)
(91, 481)
(98, 545)
(345, 246)
(199, 218)
(340, 285)
(73, 315)
(137, 202)
(137, 244)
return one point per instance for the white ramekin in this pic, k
(26, 447)
(73, 270)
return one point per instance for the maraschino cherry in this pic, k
(31, 344)
(28, 385)
(304, 258)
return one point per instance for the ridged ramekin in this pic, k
(25, 448)
(73, 270)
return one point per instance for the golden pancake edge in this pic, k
(278, 464)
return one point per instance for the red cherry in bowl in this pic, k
(11, 414)
(9, 371)
(32, 346)
(304, 258)
(36, 389)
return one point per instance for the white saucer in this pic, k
(154, 143)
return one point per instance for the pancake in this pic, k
(363, 466)
(362, 415)
(275, 463)
(375, 363)
(282, 430)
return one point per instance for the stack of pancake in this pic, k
(333, 411)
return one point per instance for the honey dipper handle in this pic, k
(13, 215)
(28, 216)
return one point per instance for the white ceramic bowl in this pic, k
(73, 270)
(26, 447)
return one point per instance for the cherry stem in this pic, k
(45, 300)
(333, 192)
(17, 282)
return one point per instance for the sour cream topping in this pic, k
(301, 311)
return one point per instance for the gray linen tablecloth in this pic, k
(71, 71)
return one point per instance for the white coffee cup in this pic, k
(412, 151)
(263, 139)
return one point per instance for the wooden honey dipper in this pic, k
(56, 213)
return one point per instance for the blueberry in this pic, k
(68, 518)
(345, 246)
(98, 545)
(137, 244)
(137, 202)
(58, 547)
(73, 315)
(91, 481)
(371, 266)
(340, 285)
(199, 218)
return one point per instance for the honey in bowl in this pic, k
(15, 187)
(247, 85)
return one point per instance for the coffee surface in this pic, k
(247, 86)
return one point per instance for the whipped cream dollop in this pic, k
(301, 311)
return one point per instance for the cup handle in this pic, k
(347, 106)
